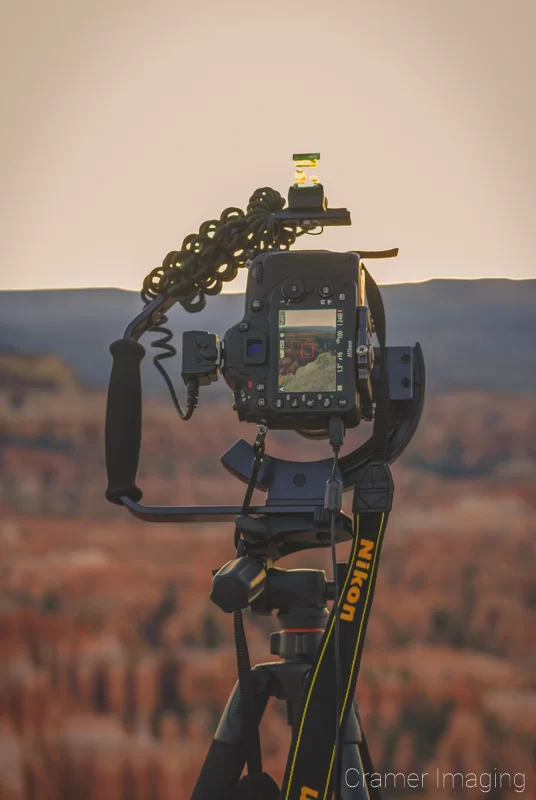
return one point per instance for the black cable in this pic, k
(210, 258)
(192, 385)
(213, 256)
(333, 502)
(258, 450)
(338, 693)
(251, 735)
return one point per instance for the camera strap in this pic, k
(309, 773)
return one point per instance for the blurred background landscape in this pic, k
(123, 125)
(114, 665)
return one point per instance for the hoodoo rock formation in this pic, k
(114, 665)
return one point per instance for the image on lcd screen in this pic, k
(307, 350)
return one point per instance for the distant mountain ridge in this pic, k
(475, 334)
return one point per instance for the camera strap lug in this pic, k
(374, 489)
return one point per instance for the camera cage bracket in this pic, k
(295, 487)
(295, 490)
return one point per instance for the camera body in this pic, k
(291, 360)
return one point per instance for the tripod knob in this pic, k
(237, 584)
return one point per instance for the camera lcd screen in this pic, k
(307, 350)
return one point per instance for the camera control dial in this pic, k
(293, 289)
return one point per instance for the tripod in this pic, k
(303, 500)
(300, 596)
(293, 518)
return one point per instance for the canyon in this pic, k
(115, 666)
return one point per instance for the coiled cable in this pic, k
(207, 260)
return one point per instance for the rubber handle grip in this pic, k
(123, 421)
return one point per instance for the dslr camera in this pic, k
(303, 350)
(291, 360)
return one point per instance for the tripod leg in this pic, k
(353, 783)
(226, 758)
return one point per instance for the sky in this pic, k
(124, 124)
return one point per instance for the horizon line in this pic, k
(230, 291)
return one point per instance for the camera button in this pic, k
(256, 305)
(326, 402)
(260, 387)
(279, 402)
(243, 327)
(293, 289)
(261, 402)
(326, 290)
(310, 403)
(342, 402)
(295, 402)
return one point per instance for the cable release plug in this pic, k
(333, 494)
(334, 485)
(336, 433)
